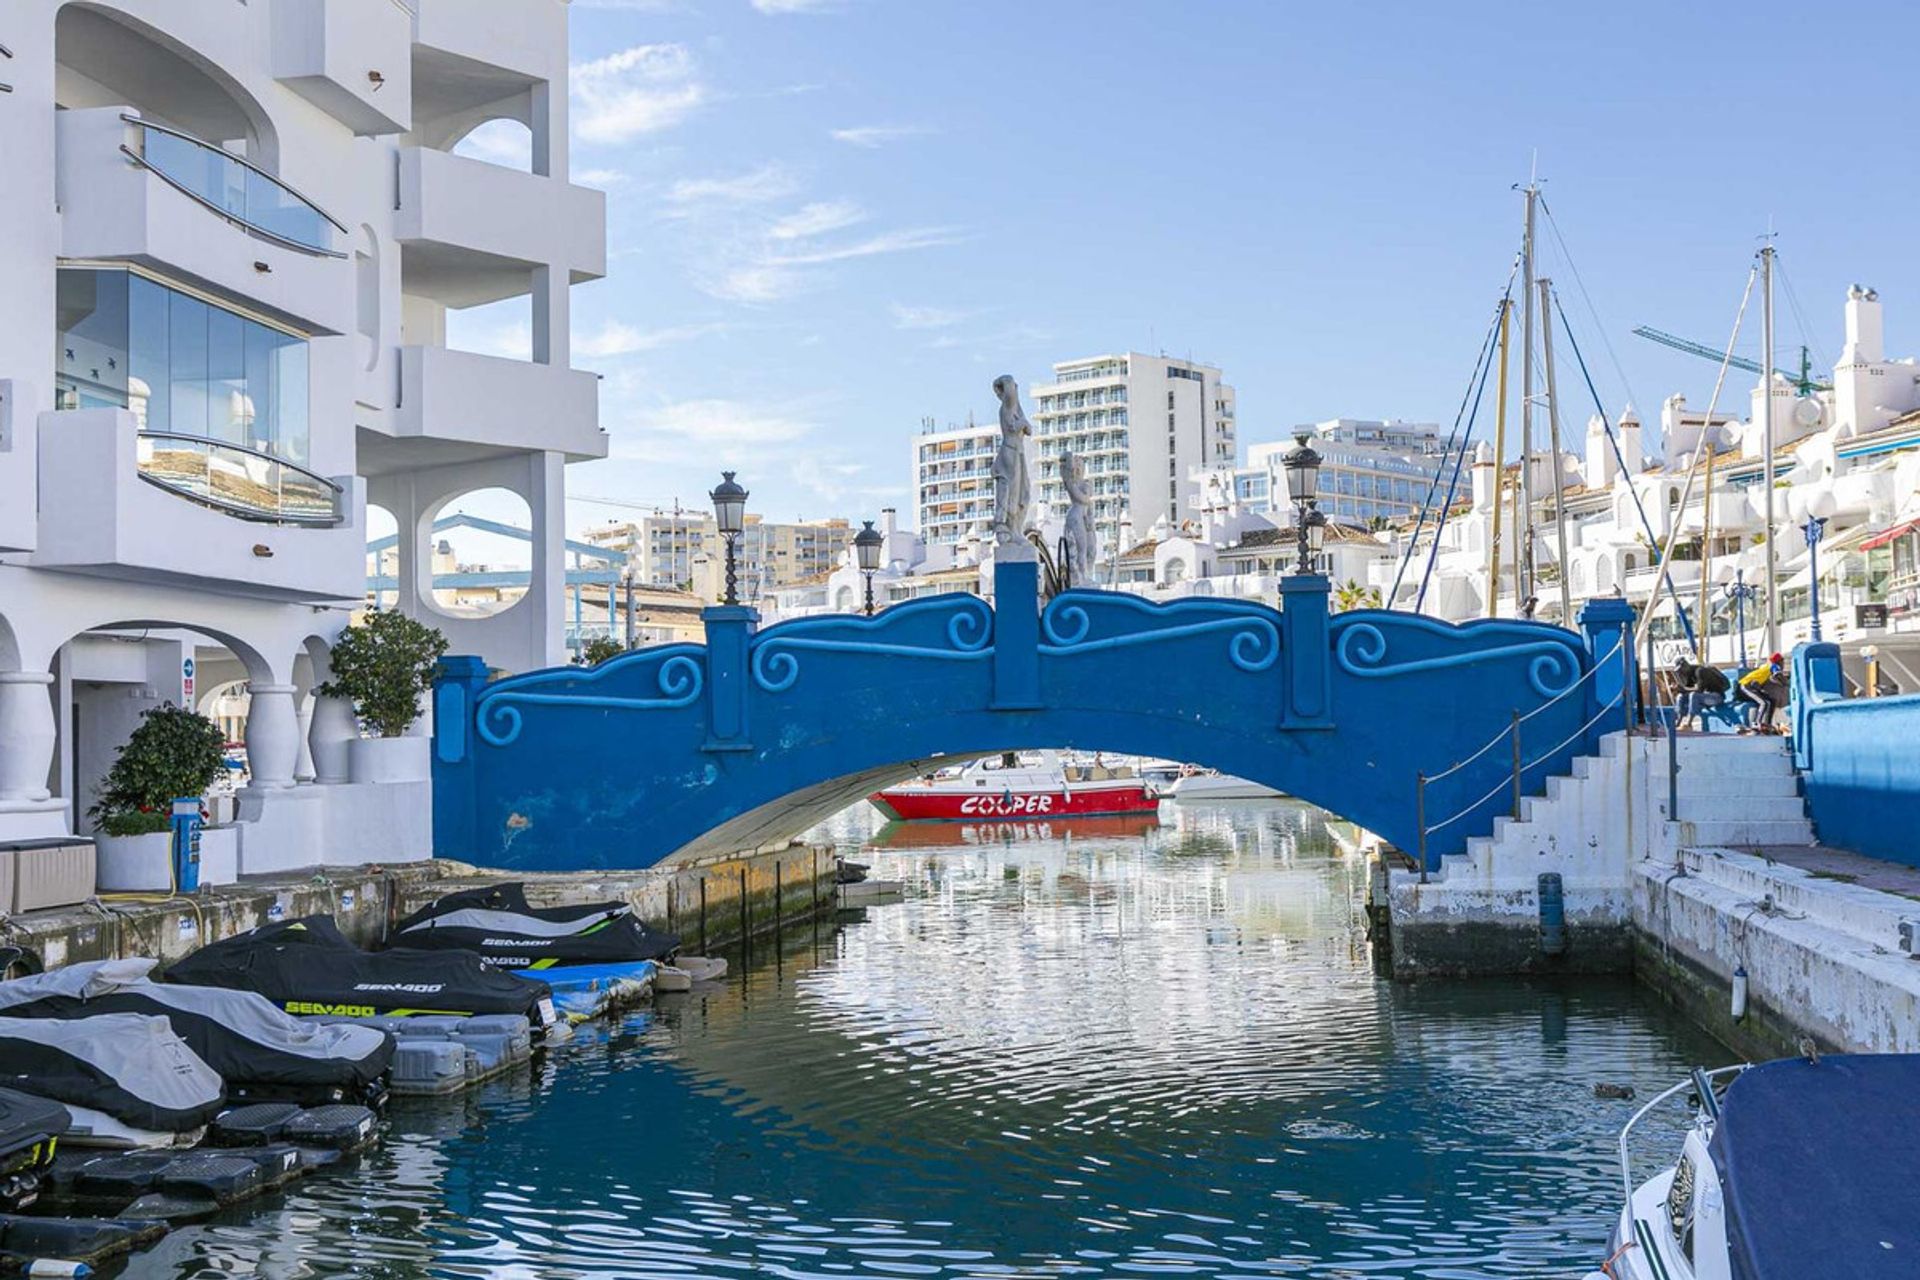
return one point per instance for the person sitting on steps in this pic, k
(1765, 687)
(1701, 687)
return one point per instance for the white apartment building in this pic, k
(953, 480)
(1369, 470)
(1145, 426)
(231, 235)
(683, 549)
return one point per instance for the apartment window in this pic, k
(1169, 405)
(181, 365)
(1169, 422)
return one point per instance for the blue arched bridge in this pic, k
(682, 751)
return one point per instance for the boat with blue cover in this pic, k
(1789, 1170)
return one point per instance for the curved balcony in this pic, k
(239, 191)
(239, 481)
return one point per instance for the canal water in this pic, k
(1108, 1050)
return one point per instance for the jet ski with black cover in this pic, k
(130, 1067)
(30, 1128)
(307, 966)
(497, 923)
(260, 1051)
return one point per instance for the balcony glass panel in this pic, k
(220, 398)
(234, 188)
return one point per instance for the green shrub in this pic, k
(599, 649)
(382, 666)
(171, 753)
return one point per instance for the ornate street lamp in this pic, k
(867, 546)
(1813, 528)
(1741, 592)
(1302, 465)
(730, 511)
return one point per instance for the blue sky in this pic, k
(828, 219)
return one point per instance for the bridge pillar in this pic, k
(1306, 655)
(730, 629)
(457, 682)
(1016, 633)
(1607, 624)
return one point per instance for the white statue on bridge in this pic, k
(1012, 481)
(1083, 545)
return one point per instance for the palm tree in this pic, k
(1351, 595)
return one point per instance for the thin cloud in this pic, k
(617, 339)
(640, 90)
(599, 177)
(795, 6)
(716, 426)
(888, 242)
(758, 186)
(872, 136)
(818, 219)
(905, 317)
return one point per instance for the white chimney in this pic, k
(1485, 475)
(1866, 340)
(1602, 466)
(1627, 432)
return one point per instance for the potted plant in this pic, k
(382, 666)
(599, 649)
(171, 753)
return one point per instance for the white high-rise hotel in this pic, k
(230, 234)
(1142, 425)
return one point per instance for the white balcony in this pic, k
(473, 232)
(118, 504)
(350, 58)
(469, 399)
(132, 193)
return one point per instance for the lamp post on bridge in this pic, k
(1813, 528)
(1302, 465)
(730, 511)
(1741, 592)
(867, 546)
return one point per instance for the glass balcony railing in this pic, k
(237, 190)
(239, 481)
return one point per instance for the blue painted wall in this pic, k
(1860, 758)
(678, 749)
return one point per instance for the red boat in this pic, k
(995, 791)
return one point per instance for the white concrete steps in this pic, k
(1741, 833)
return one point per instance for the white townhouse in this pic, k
(231, 233)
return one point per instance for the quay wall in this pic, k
(1672, 901)
(756, 892)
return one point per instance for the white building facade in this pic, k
(953, 480)
(1143, 426)
(232, 234)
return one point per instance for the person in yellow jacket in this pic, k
(1766, 688)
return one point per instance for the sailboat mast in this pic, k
(1559, 471)
(1766, 441)
(1523, 529)
(1499, 465)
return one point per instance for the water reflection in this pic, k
(1156, 1051)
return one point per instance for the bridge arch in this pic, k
(681, 751)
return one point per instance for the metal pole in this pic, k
(745, 923)
(1523, 530)
(869, 578)
(1517, 767)
(1673, 769)
(703, 915)
(1559, 471)
(1499, 465)
(1814, 526)
(1420, 820)
(1766, 439)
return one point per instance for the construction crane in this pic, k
(1804, 384)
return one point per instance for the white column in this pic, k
(273, 736)
(303, 767)
(332, 729)
(27, 735)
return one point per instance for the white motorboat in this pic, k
(1797, 1168)
(1211, 784)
